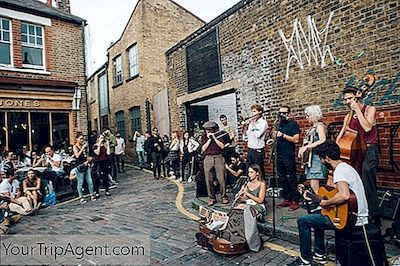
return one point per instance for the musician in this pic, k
(363, 121)
(256, 131)
(287, 136)
(315, 136)
(212, 146)
(345, 178)
(229, 147)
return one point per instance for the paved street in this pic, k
(140, 205)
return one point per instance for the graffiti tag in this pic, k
(311, 48)
(389, 89)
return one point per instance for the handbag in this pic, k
(82, 168)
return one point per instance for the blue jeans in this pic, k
(319, 223)
(87, 175)
(141, 159)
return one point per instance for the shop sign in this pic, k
(19, 103)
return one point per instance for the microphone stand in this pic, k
(274, 174)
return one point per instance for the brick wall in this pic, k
(362, 37)
(155, 26)
(64, 55)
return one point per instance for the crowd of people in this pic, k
(31, 177)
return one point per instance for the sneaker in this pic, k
(93, 198)
(321, 259)
(294, 206)
(97, 195)
(108, 193)
(285, 203)
(82, 201)
(190, 179)
(299, 262)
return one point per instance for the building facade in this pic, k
(98, 107)
(292, 53)
(42, 74)
(136, 67)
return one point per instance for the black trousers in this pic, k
(100, 172)
(256, 157)
(120, 158)
(112, 166)
(368, 177)
(287, 175)
(156, 157)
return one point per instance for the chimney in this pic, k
(49, 2)
(64, 5)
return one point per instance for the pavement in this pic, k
(162, 209)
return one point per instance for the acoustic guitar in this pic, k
(340, 215)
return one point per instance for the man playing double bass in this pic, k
(362, 120)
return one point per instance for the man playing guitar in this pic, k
(363, 121)
(345, 178)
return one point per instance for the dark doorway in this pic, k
(196, 116)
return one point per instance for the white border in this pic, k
(24, 16)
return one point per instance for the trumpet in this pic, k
(245, 120)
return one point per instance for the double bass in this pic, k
(352, 147)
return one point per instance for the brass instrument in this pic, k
(271, 141)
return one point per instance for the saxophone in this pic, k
(271, 141)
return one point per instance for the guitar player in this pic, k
(364, 122)
(345, 178)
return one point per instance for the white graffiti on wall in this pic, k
(311, 48)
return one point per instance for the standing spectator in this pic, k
(166, 165)
(156, 147)
(120, 153)
(31, 188)
(83, 171)
(91, 141)
(147, 149)
(173, 155)
(212, 144)
(287, 136)
(256, 138)
(139, 139)
(112, 142)
(9, 187)
(188, 147)
(101, 151)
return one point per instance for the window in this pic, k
(136, 119)
(93, 91)
(203, 63)
(120, 117)
(60, 130)
(5, 42)
(103, 94)
(32, 45)
(117, 70)
(133, 61)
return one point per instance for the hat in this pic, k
(210, 125)
(118, 135)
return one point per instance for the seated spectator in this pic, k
(25, 159)
(235, 169)
(9, 187)
(31, 188)
(8, 161)
(253, 193)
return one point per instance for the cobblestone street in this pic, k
(142, 205)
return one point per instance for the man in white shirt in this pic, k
(255, 137)
(9, 187)
(345, 178)
(54, 160)
(120, 153)
(139, 139)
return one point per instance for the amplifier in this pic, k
(389, 204)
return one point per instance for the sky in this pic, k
(107, 19)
